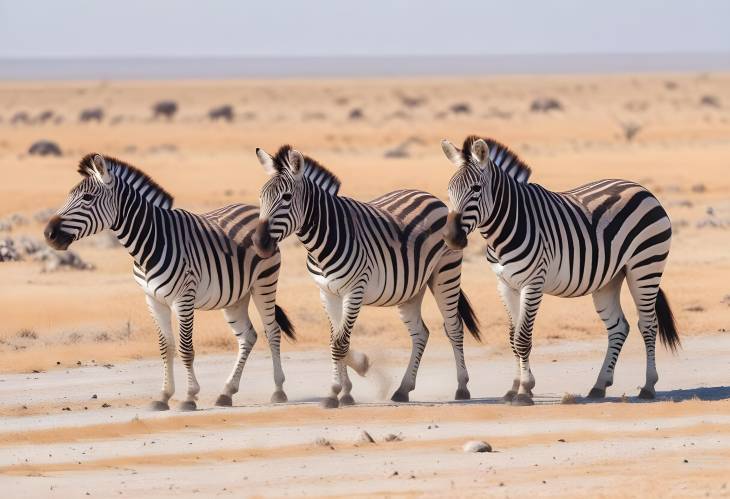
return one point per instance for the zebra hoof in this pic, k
(522, 399)
(347, 400)
(509, 396)
(597, 393)
(159, 405)
(400, 397)
(646, 394)
(188, 405)
(224, 400)
(279, 397)
(462, 394)
(330, 403)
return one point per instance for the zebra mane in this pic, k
(317, 173)
(502, 156)
(136, 178)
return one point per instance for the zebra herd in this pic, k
(385, 252)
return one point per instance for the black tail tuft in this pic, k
(284, 323)
(667, 326)
(467, 315)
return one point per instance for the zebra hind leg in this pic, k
(264, 297)
(644, 291)
(445, 286)
(607, 302)
(243, 330)
(410, 314)
(163, 318)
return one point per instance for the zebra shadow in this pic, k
(709, 393)
(714, 393)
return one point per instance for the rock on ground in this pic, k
(477, 446)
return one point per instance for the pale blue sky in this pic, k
(149, 28)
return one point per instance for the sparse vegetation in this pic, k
(356, 114)
(569, 398)
(710, 101)
(630, 130)
(460, 108)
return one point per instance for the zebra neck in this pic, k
(507, 215)
(328, 231)
(139, 224)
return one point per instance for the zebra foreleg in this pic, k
(607, 301)
(163, 318)
(185, 310)
(342, 313)
(243, 330)
(511, 300)
(263, 298)
(410, 314)
(530, 298)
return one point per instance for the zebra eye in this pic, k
(286, 196)
(476, 187)
(87, 197)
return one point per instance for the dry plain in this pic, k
(88, 333)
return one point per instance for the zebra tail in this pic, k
(467, 315)
(284, 323)
(667, 325)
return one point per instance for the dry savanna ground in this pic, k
(669, 132)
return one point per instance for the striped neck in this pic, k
(328, 228)
(505, 211)
(137, 224)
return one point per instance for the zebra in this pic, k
(182, 262)
(584, 241)
(381, 253)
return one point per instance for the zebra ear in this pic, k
(266, 161)
(296, 162)
(480, 152)
(99, 168)
(452, 152)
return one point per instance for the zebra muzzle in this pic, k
(55, 236)
(263, 243)
(454, 234)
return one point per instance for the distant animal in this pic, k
(44, 116)
(20, 117)
(584, 241)
(382, 253)
(182, 262)
(166, 109)
(221, 113)
(44, 148)
(545, 105)
(91, 114)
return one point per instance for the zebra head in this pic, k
(466, 190)
(89, 208)
(280, 212)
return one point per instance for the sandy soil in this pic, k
(58, 441)
(88, 332)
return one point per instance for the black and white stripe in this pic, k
(182, 261)
(584, 241)
(382, 253)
